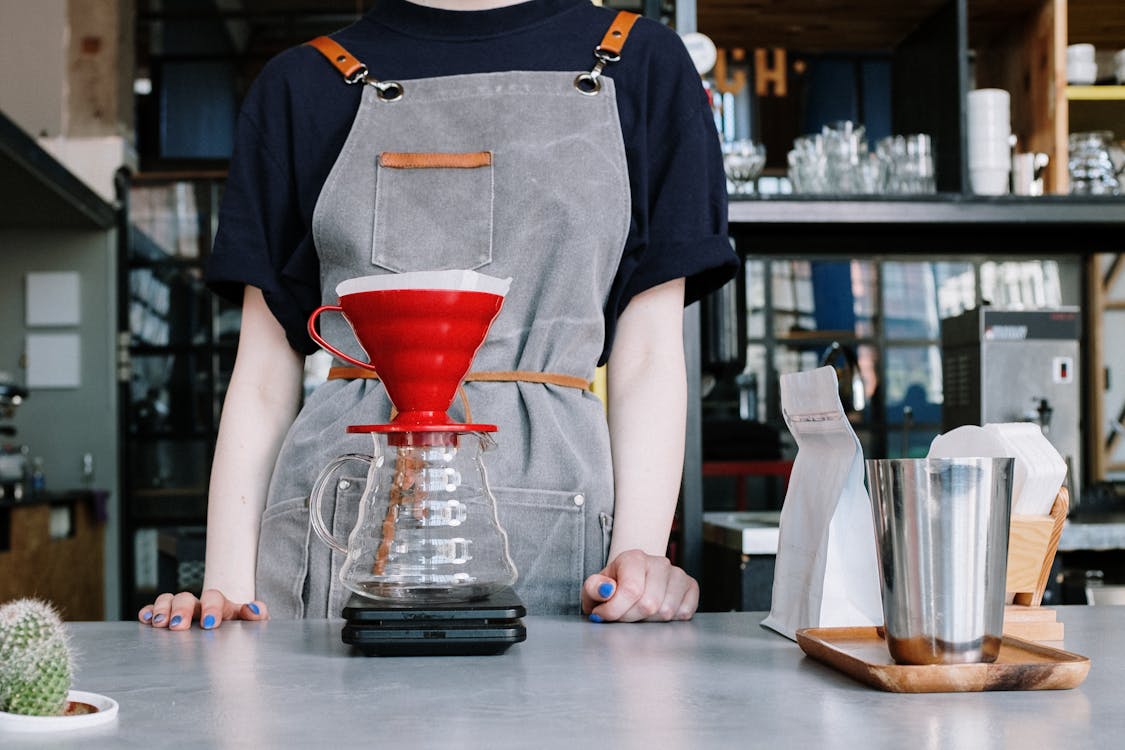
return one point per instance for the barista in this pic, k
(604, 199)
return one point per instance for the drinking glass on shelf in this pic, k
(872, 175)
(837, 161)
(845, 148)
(1091, 168)
(908, 162)
(743, 161)
(808, 165)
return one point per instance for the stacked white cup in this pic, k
(1119, 66)
(1081, 64)
(990, 150)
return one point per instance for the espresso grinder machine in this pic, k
(1017, 366)
(427, 561)
(13, 456)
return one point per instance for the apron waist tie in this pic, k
(484, 376)
(487, 376)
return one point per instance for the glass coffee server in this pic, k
(176, 349)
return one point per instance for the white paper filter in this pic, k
(1046, 468)
(1039, 470)
(970, 441)
(460, 280)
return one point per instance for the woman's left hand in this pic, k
(637, 586)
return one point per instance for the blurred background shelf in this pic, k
(1095, 93)
(37, 191)
(1097, 108)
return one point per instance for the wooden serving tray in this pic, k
(862, 653)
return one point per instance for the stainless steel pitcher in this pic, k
(941, 527)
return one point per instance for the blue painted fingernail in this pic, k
(209, 621)
(254, 608)
(158, 618)
(605, 590)
(176, 621)
(595, 618)
(146, 616)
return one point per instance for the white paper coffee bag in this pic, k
(826, 573)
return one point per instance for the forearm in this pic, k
(647, 396)
(260, 405)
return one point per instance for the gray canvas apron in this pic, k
(551, 210)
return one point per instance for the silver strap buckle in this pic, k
(590, 83)
(388, 91)
(357, 77)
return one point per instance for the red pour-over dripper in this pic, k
(421, 343)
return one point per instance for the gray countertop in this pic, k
(756, 532)
(720, 680)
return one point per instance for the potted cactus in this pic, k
(36, 671)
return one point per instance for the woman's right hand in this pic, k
(211, 608)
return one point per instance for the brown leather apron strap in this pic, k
(486, 376)
(609, 51)
(351, 68)
(614, 39)
(494, 376)
(527, 376)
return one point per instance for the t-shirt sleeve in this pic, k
(679, 218)
(262, 240)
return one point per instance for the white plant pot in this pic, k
(105, 711)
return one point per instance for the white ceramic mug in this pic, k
(990, 180)
(1081, 73)
(988, 98)
(1027, 173)
(1080, 53)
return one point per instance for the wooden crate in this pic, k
(1032, 544)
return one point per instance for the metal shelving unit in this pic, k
(176, 349)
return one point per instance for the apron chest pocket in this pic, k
(432, 211)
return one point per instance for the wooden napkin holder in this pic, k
(1032, 544)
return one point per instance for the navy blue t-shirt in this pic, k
(298, 112)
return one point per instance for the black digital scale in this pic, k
(476, 628)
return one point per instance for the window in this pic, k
(879, 317)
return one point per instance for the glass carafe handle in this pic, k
(318, 494)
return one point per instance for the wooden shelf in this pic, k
(1019, 45)
(1096, 108)
(1097, 22)
(812, 25)
(1095, 93)
(863, 26)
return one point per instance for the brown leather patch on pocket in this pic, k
(433, 160)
